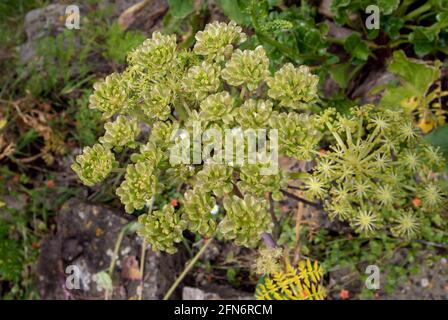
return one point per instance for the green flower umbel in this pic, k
(198, 208)
(293, 87)
(218, 107)
(109, 96)
(157, 101)
(94, 164)
(407, 225)
(162, 229)
(120, 133)
(248, 67)
(252, 180)
(254, 114)
(138, 186)
(216, 178)
(246, 219)
(155, 55)
(202, 80)
(217, 39)
(297, 134)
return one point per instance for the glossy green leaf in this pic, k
(357, 47)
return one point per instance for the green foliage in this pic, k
(376, 167)
(426, 20)
(376, 164)
(413, 93)
(59, 61)
(301, 283)
(11, 259)
(439, 138)
(181, 8)
(118, 43)
(87, 121)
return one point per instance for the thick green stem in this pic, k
(411, 15)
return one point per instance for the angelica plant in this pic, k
(374, 169)
(375, 166)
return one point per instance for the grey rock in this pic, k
(214, 292)
(86, 236)
(38, 23)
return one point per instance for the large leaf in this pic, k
(181, 8)
(233, 10)
(415, 72)
(414, 79)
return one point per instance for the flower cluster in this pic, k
(248, 68)
(138, 186)
(111, 95)
(217, 40)
(375, 168)
(246, 219)
(198, 208)
(94, 164)
(295, 88)
(375, 164)
(120, 133)
(162, 229)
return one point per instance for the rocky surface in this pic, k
(140, 15)
(85, 238)
(38, 23)
(214, 292)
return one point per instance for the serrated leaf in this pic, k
(407, 69)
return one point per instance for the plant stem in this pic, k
(187, 269)
(293, 196)
(123, 231)
(411, 15)
(143, 253)
(115, 253)
(142, 269)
